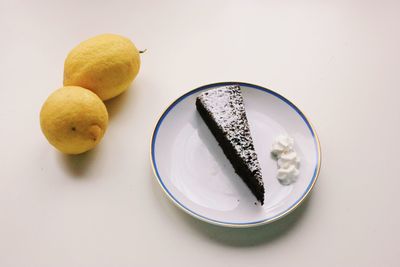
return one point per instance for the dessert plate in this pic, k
(195, 174)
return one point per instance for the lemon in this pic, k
(73, 119)
(105, 64)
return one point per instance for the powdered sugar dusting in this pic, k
(225, 104)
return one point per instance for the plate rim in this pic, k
(230, 224)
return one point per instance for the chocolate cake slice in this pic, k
(222, 109)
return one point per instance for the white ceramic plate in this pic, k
(194, 172)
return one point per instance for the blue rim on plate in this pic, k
(235, 224)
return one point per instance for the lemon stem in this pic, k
(142, 51)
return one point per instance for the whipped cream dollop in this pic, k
(287, 159)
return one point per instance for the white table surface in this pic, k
(339, 61)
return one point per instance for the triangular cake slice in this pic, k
(222, 109)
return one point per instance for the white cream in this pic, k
(287, 160)
(287, 176)
(282, 144)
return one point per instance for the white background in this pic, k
(339, 61)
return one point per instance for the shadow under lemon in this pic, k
(78, 165)
(116, 104)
